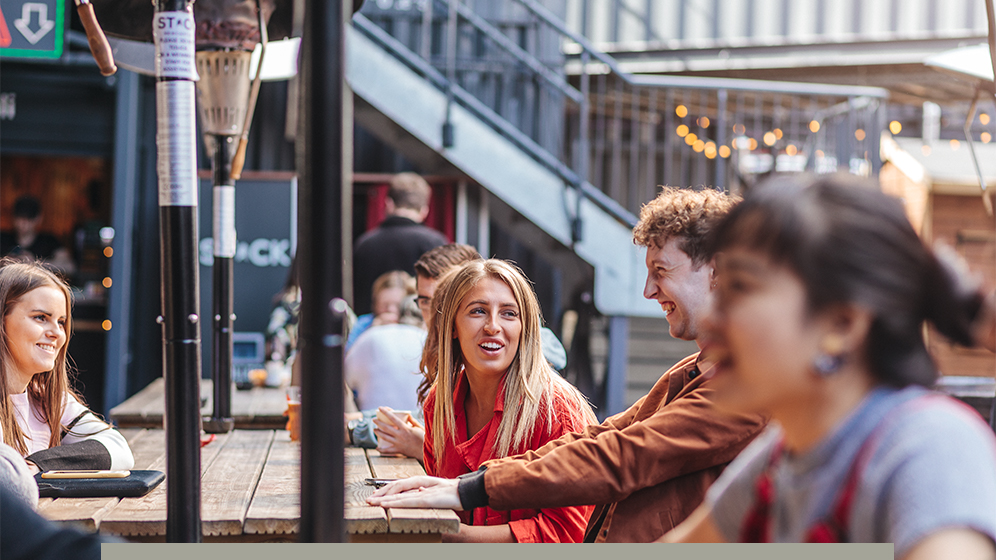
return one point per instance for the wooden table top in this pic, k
(250, 492)
(256, 408)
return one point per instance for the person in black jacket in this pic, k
(27, 243)
(398, 241)
(25, 535)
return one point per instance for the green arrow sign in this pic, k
(31, 28)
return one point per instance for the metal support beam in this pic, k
(462, 212)
(721, 132)
(324, 178)
(484, 225)
(615, 375)
(123, 220)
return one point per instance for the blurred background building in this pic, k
(543, 126)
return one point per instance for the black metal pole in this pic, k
(176, 141)
(222, 300)
(323, 172)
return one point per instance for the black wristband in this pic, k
(471, 490)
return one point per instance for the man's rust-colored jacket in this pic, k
(646, 469)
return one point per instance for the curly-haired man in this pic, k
(646, 469)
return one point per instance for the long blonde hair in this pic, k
(47, 389)
(530, 382)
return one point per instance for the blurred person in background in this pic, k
(28, 243)
(382, 367)
(398, 241)
(389, 293)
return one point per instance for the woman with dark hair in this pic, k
(823, 290)
(40, 415)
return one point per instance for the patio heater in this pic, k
(226, 101)
(227, 30)
(225, 35)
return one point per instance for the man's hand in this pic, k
(404, 436)
(418, 492)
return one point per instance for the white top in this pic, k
(382, 367)
(16, 477)
(37, 434)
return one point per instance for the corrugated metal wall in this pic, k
(778, 21)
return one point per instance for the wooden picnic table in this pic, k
(250, 492)
(259, 408)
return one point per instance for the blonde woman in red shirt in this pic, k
(501, 396)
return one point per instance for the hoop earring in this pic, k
(825, 365)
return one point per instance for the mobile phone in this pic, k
(85, 474)
(378, 482)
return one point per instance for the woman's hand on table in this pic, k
(418, 492)
(404, 436)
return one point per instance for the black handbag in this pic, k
(137, 483)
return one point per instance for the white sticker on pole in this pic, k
(176, 143)
(224, 221)
(173, 33)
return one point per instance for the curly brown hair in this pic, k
(685, 214)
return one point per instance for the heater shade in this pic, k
(223, 90)
(221, 24)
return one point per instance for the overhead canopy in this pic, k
(944, 166)
(971, 61)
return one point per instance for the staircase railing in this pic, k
(614, 135)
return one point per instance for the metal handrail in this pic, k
(518, 52)
(592, 62)
(696, 82)
(493, 119)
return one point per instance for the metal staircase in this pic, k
(505, 93)
(546, 122)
